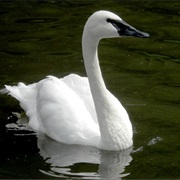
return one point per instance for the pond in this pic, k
(40, 38)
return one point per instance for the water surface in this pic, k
(39, 38)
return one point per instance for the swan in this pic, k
(80, 110)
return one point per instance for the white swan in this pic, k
(79, 110)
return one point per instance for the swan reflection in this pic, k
(82, 161)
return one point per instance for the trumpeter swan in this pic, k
(80, 110)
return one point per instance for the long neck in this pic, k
(113, 120)
(96, 82)
(92, 67)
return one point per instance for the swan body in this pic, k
(80, 110)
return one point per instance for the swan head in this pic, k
(105, 24)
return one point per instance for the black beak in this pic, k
(124, 29)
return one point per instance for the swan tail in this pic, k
(4, 91)
(26, 95)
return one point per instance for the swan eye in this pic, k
(120, 26)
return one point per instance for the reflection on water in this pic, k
(64, 159)
(79, 162)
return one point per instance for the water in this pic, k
(39, 38)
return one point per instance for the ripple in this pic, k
(174, 41)
(18, 53)
(37, 20)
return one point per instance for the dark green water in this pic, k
(39, 38)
